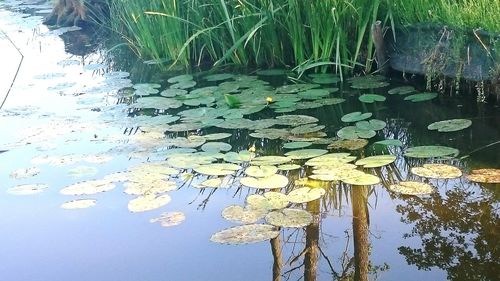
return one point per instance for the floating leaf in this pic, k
(271, 72)
(306, 129)
(232, 101)
(305, 194)
(219, 77)
(270, 160)
(352, 132)
(271, 182)
(169, 219)
(25, 173)
(180, 78)
(313, 94)
(217, 169)
(356, 177)
(305, 153)
(261, 171)
(216, 146)
(216, 136)
(353, 144)
(289, 218)
(373, 124)
(451, 125)
(88, 187)
(296, 144)
(295, 120)
(421, 97)
(289, 167)
(389, 142)
(244, 234)
(79, 204)
(240, 157)
(215, 183)
(27, 189)
(330, 159)
(412, 188)
(148, 202)
(403, 90)
(146, 187)
(485, 176)
(376, 161)
(437, 171)
(355, 116)
(371, 98)
(430, 151)
(239, 214)
(269, 201)
(270, 133)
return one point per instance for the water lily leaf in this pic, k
(305, 194)
(217, 169)
(271, 182)
(184, 127)
(295, 88)
(169, 219)
(237, 123)
(403, 90)
(149, 186)
(232, 101)
(313, 94)
(373, 124)
(270, 133)
(451, 125)
(412, 188)
(295, 120)
(239, 214)
(368, 82)
(217, 136)
(215, 183)
(353, 144)
(245, 234)
(219, 77)
(334, 172)
(389, 142)
(370, 98)
(331, 79)
(180, 78)
(437, 171)
(270, 160)
(306, 129)
(160, 103)
(261, 171)
(289, 218)
(355, 116)
(305, 153)
(189, 161)
(353, 132)
(25, 173)
(148, 202)
(88, 187)
(189, 142)
(296, 144)
(216, 146)
(421, 97)
(430, 151)
(240, 157)
(83, 171)
(271, 72)
(485, 176)
(289, 167)
(27, 189)
(79, 204)
(330, 159)
(376, 161)
(183, 84)
(330, 101)
(268, 201)
(356, 177)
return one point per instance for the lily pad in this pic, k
(270, 133)
(217, 169)
(355, 116)
(373, 124)
(155, 186)
(239, 214)
(451, 125)
(353, 132)
(389, 142)
(268, 201)
(305, 194)
(261, 171)
(216, 136)
(421, 97)
(314, 94)
(79, 204)
(353, 144)
(180, 78)
(240, 157)
(272, 182)
(148, 202)
(215, 183)
(169, 219)
(306, 129)
(371, 98)
(245, 234)
(305, 153)
(297, 144)
(437, 171)
(271, 72)
(485, 176)
(295, 120)
(289, 218)
(430, 151)
(216, 146)
(289, 167)
(376, 161)
(27, 189)
(88, 187)
(270, 160)
(403, 90)
(25, 173)
(330, 159)
(219, 77)
(356, 177)
(412, 188)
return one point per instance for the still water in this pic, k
(76, 116)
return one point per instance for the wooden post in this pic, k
(378, 41)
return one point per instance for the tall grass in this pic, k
(304, 33)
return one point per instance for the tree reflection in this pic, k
(458, 231)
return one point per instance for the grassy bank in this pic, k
(329, 33)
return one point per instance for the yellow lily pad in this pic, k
(289, 218)
(239, 214)
(148, 202)
(88, 187)
(485, 176)
(376, 161)
(353, 144)
(169, 219)
(437, 171)
(268, 201)
(271, 182)
(261, 171)
(412, 188)
(244, 234)
(305, 194)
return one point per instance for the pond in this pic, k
(112, 170)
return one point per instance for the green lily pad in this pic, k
(240, 157)
(261, 171)
(183, 84)
(88, 187)
(305, 153)
(295, 120)
(373, 124)
(353, 132)
(412, 188)
(368, 82)
(232, 101)
(403, 90)
(150, 186)
(389, 142)
(189, 161)
(270, 133)
(295, 88)
(306, 129)
(297, 144)
(148, 202)
(217, 169)
(217, 136)
(219, 77)
(268, 201)
(353, 144)
(370, 98)
(305, 194)
(270, 160)
(485, 176)
(376, 161)
(289, 218)
(330, 159)
(271, 72)
(421, 97)
(289, 167)
(239, 214)
(169, 219)
(189, 142)
(215, 183)
(356, 177)
(79, 204)
(216, 146)
(313, 94)
(271, 182)
(430, 151)
(159, 103)
(355, 116)
(326, 79)
(244, 234)
(180, 78)
(451, 125)
(27, 189)
(437, 171)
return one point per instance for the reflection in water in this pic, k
(458, 231)
(360, 225)
(312, 242)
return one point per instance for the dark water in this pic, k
(358, 232)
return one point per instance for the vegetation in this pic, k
(300, 33)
